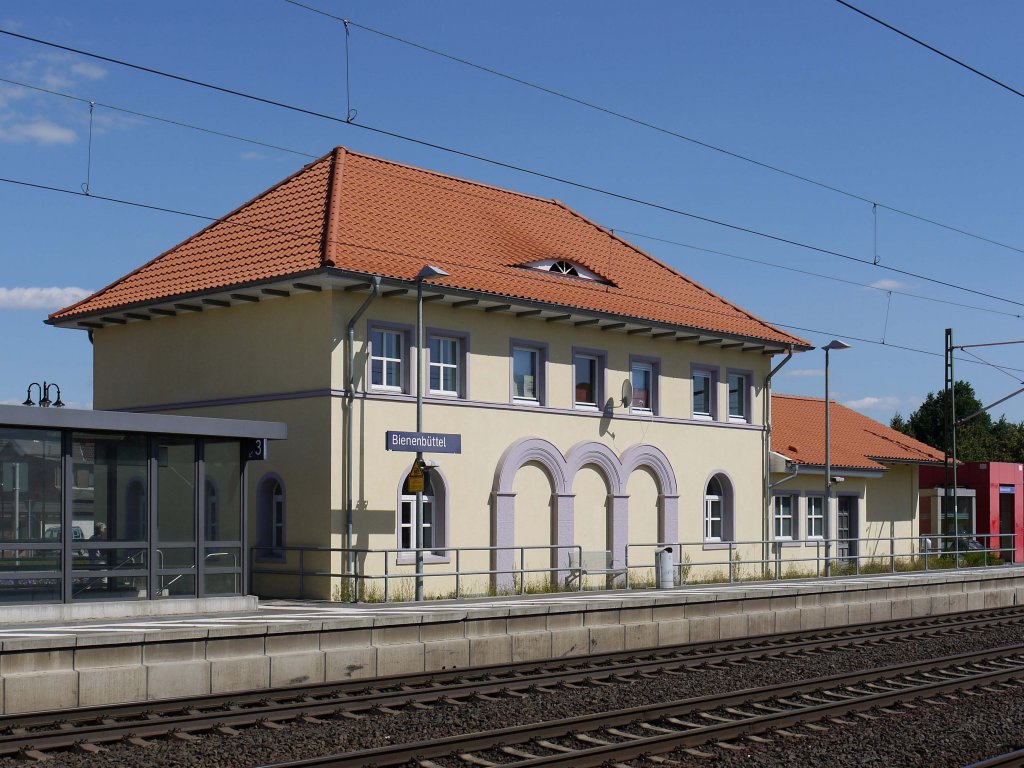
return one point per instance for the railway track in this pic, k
(35, 734)
(643, 736)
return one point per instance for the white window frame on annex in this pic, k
(653, 367)
(405, 334)
(746, 394)
(712, 373)
(600, 358)
(794, 517)
(461, 364)
(441, 501)
(810, 500)
(540, 379)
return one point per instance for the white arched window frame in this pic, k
(270, 518)
(718, 510)
(435, 518)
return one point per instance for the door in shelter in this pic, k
(846, 526)
(1006, 505)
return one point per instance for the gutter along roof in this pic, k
(798, 434)
(353, 214)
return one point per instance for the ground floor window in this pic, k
(408, 533)
(435, 512)
(815, 517)
(783, 517)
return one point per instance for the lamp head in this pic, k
(835, 344)
(429, 272)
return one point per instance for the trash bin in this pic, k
(665, 567)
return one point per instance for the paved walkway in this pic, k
(282, 613)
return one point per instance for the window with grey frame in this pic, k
(387, 359)
(641, 379)
(815, 517)
(527, 373)
(587, 373)
(434, 522)
(703, 394)
(445, 365)
(784, 517)
(738, 406)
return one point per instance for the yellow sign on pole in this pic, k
(414, 482)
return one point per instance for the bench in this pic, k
(591, 563)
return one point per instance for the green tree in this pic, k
(976, 440)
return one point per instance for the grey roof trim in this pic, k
(773, 347)
(119, 421)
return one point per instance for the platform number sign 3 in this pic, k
(255, 449)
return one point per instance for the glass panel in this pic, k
(30, 590)
(223, 583)
(110, 487)
(222, 500)
(30, 485)
(702, 394)
(586, 376)
(450, 380)
(223, 557)
(406, 532)
(176, 557)
(114, 559)
(524, 373)
(29, 560)
(176, 585)
(110, 588)
(641, 379)
(176, 489)
(737, 400)
(376, 372)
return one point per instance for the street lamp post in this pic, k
(44, 395)
(837, 345)
(427, 273)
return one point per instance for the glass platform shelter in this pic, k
(103, 505)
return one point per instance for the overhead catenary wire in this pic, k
(267, 145)
(510, 166)
(526, 273)
(658, 128)
(932, 48)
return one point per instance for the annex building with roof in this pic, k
(605, 402)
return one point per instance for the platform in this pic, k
(68, 664)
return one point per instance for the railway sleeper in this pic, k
(555, 747)
(469, 757)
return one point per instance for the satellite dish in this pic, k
(627, 394)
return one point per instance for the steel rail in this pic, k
(103, 724)
(1015, 758)
(888, 686)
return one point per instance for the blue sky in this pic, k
(804, 85)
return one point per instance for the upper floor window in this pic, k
(703, 394)
(641, 376)
(587, 369)
(526, 368)
(387, 359)
(738, 407)
(444, 377)
(565, 267)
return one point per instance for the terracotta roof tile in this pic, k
(798, 433)
(363, 214)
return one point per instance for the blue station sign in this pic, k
(428, 442)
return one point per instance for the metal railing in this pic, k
(695, 561)
(399, 565)
(389, 574)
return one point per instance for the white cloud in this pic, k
(887, 284)
(253, 156)
(884, 403)
(40, 298)
(88, 70)
(40, 131)
(805, 373)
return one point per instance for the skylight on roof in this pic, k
(564, 267)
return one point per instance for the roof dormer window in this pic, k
(564, 267)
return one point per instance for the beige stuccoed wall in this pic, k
(294, 348)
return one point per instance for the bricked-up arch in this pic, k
(503, 524)
(562, 470)
(657, 462)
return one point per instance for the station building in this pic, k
(876, 490)
(605, 402)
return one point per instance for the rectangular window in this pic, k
(386, 359)
(641, 376)
(444, 365)
(526, 373)
(408, 535)
(737, 396)
(586, 380)
(712, 518)
(783, 518)
(815, 517)
(702, 383)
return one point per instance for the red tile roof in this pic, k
(798, 433)
(362, 214)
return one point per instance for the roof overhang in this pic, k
(778, 463)
(336, 279)
(124, 421)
